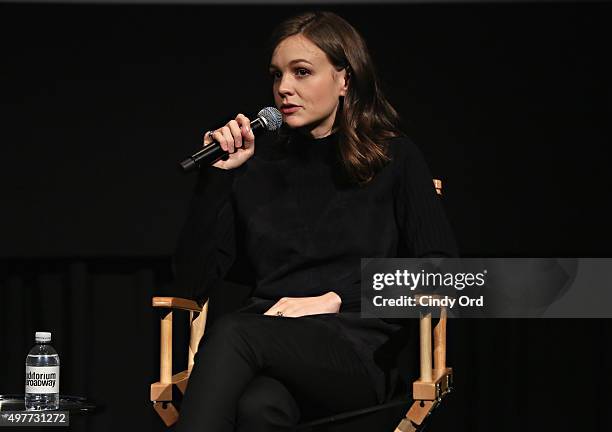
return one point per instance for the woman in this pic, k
(339, 183)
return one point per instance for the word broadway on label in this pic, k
(41, 379)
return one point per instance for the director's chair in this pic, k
(428, 391)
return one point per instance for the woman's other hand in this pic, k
(301, 306)
(236, 138)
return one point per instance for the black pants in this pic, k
(256, 372)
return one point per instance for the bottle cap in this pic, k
(42, 336)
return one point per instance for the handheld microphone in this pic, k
(269, 118)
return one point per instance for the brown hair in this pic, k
(365, 119)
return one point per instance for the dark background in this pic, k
(98, 103)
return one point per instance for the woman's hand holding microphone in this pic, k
(236, 138)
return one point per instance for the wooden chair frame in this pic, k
(427, 392)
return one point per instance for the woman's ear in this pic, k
(346, 79)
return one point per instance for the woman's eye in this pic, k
(301, 72)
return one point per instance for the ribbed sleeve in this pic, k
(207, 243)
(424, 228)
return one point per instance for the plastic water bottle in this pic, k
(42, 375)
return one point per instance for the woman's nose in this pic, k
(285, 86)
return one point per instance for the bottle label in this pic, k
(42, 379)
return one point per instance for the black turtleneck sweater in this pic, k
(289, 214)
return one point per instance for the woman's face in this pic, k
(306, 85)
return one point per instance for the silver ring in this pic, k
(210, 134)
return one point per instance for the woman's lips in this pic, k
(290, 109)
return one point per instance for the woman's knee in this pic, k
(267, 405)
(237, 331)
(229, 327)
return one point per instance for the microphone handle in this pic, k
(213, 151)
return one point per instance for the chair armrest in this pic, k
(177, 303)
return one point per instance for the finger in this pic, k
(235, 130)
(243, 122)
(290, 313)
(245, 128)
(207, 138)
(229, 139)
(276, 307)
(272, 311)
(218, 136)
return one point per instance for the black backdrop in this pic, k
(509, 103)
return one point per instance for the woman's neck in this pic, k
(315, 134)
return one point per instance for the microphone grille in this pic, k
(273, 118)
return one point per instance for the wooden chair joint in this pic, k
(436, 389)
(161, 391)
(167, 412)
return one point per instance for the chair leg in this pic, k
(165, 362)
(416, 416)
(167, 413)
(405, 426)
